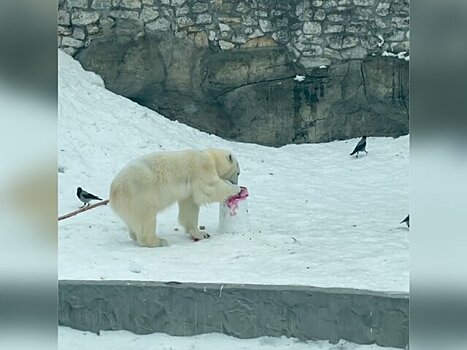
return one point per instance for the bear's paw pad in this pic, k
(198, 235)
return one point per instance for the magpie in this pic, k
(360, 147)
(406, 220)
(85, 197)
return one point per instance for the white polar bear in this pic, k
(151, 183)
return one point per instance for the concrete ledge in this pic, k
(243, 311)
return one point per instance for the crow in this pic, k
(406, 220)
(85, 197)
(360, 147)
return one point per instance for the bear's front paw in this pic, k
(199, 234)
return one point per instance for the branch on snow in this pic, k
(80, 210)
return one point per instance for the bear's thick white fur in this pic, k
(151, 183)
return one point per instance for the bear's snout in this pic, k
(234, 179)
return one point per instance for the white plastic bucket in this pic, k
(233, 214)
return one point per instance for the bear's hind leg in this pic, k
(146, 235)
(188, 217)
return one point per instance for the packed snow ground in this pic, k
(318, 216)
(71, 339)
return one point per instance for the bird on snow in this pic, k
(360, 147)
(85, 197)
(406, 220)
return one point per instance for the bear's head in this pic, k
(226, 164)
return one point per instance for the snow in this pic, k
(317, 216)
(381, 40)
(135, 266)
(299, 78)
(71, 339)
(400, 55)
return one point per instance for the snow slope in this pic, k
(70, 339)
(318, 216)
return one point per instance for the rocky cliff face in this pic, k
(228, 67)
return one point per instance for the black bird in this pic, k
(406, 220)
(360, 147)
(85, 197)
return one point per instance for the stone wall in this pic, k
(243, 311)
(227, 67)
(314, 32)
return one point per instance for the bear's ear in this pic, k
(230, 158)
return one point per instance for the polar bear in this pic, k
(153, 182)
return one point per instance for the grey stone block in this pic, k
(319, 15)
(79, 33)
(400, 22)
(128, 4)
(243, 311)
(336, 28)
(311, 28)
(160, 24)
(148, 14)
(64, 30)
(78, 4)
(364, 2)
(81, 18)
(125, 14)
(63, 18)
(69, 50)
(199, 7)
(382, 9)
(101, 4)
(204, 18)
(265, 25)
(72, 42)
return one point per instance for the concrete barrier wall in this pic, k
(243, 311)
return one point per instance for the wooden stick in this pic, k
(80, 210)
